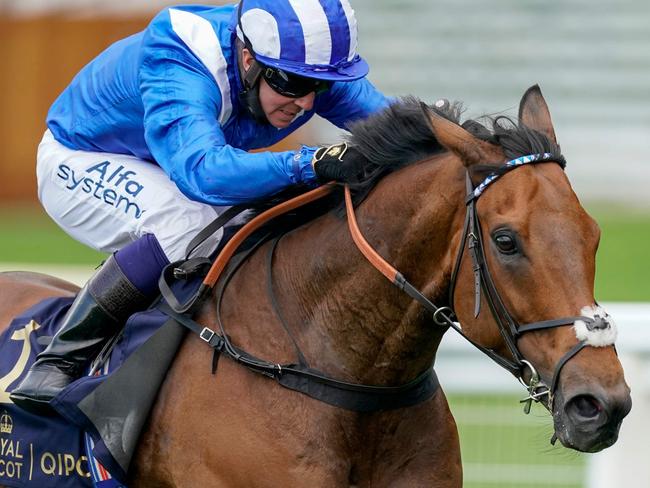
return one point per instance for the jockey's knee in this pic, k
(176, 231)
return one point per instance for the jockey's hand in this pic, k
(339, 162)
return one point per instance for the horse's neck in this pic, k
(353, 321)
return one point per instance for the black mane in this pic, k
(395, 137)
(401, 134)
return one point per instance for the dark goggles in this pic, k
(293, 86)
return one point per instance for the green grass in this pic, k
(623, 265)
(28, 235)
(503, 447)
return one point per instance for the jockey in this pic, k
(149, 143)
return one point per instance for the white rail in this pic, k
(77, 274)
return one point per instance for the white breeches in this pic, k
(107, 200)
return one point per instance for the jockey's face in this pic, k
(279, 110)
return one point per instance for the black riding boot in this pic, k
(96, 315)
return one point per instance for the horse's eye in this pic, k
(505, 242)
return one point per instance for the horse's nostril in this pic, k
(586, 406)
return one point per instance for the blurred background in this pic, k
(592, 61)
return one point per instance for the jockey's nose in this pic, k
(306, 102)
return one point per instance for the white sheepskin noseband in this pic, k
(600, 333)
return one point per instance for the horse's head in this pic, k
(536, 255)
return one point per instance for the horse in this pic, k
(236, 428)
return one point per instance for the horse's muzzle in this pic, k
(589, 421)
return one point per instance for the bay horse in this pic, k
(236, 429)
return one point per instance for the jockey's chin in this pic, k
(281, 120)
(281, 111)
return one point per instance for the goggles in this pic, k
(293, 86)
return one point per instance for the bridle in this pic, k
(508, 326)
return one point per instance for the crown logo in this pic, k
(6, 423)
(334, 151)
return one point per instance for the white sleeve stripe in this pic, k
(316, 30)
(352, 24)
(197, 33)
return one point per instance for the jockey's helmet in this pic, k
(299, 46)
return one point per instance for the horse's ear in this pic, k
(534, 113)
(470, 149)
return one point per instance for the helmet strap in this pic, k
(249, 96)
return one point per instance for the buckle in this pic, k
(180, 274)
(536, 389)
(207, 334)
(446, 313)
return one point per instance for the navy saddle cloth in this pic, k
(92, 441)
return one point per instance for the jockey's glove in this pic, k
(339, 162)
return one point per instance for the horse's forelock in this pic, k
(518, 140)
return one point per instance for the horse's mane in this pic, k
(395, 137)
(400, 135)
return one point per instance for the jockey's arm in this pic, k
(182, 130)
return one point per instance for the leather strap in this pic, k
(232, 245)
(548, 324)
(182, 270)
(315, 384)
(563, 360)
(366, 249)
(214, 226)
(274, 301)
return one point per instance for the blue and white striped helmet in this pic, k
(312, 38)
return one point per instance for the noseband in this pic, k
(509, 328)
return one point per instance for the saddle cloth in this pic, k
(92, 441)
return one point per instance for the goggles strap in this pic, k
(249, 96)
(252, 76)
